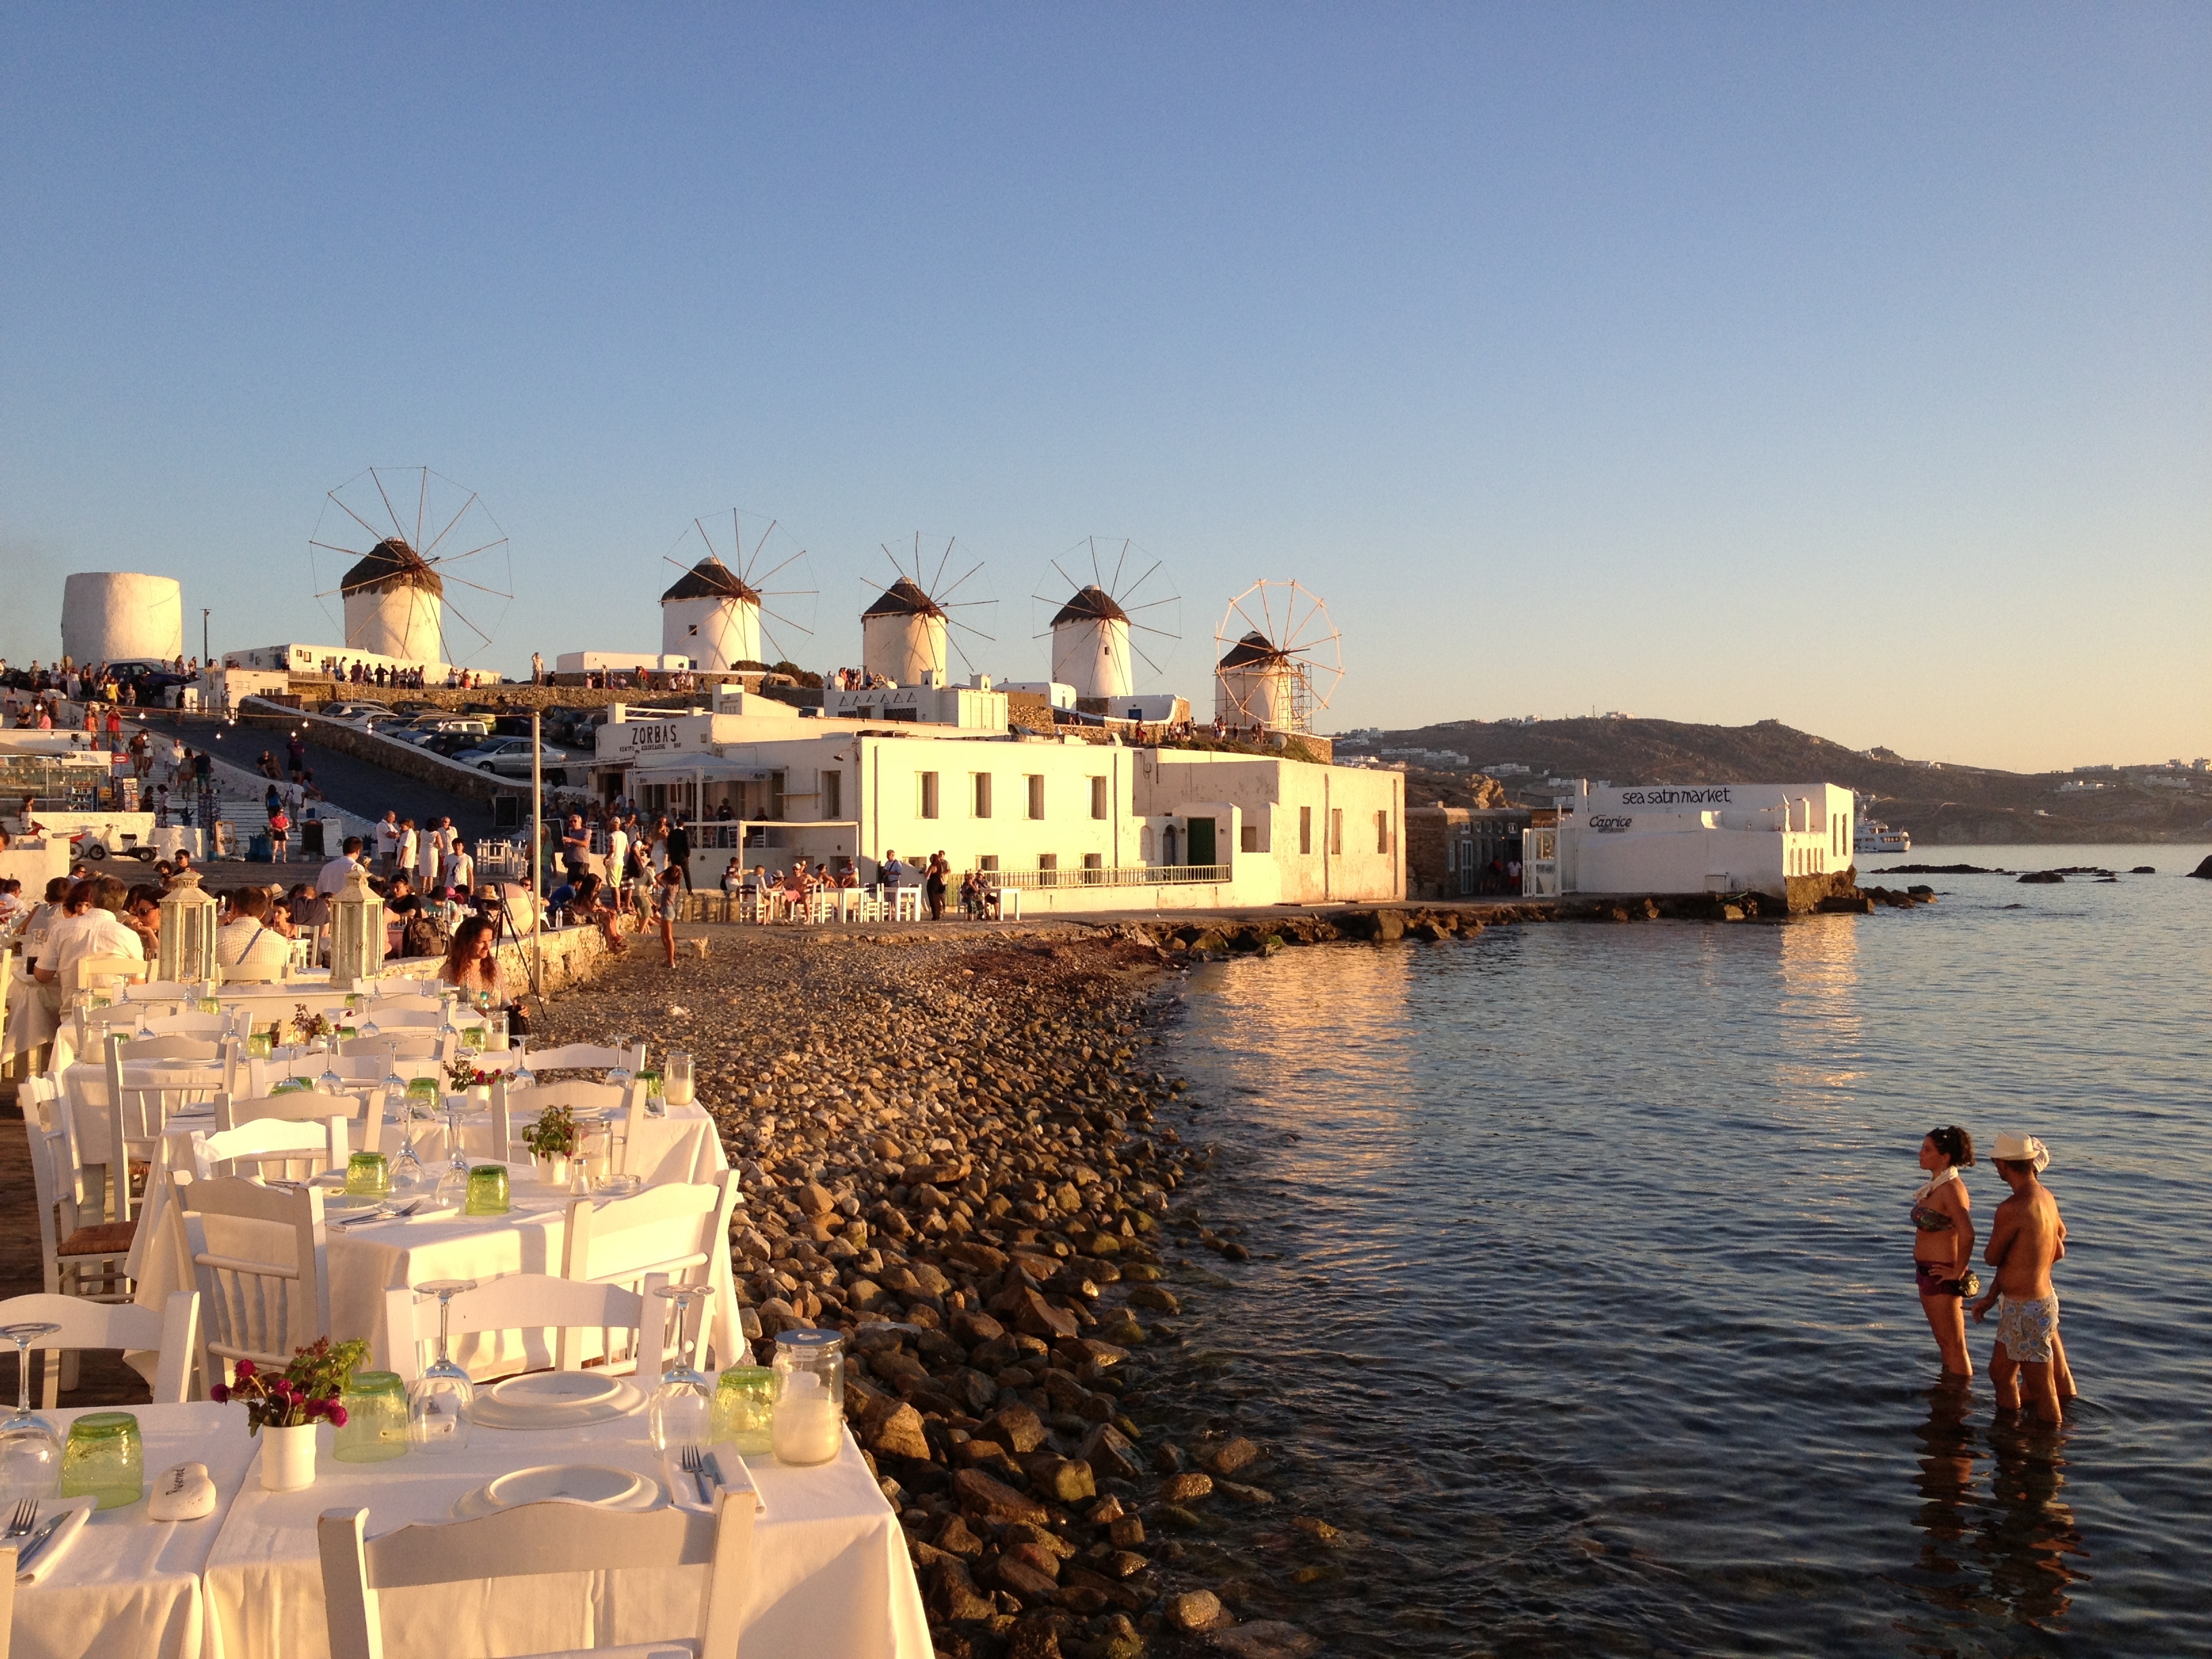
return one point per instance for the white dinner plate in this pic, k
(555, 1389)
(598, 1485)
(528, 1410)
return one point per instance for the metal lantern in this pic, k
(356, 933)
(186, 953)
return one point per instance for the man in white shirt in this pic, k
(89, 927)
(405, 864)
(461, 869)
(617, 853)
(387, 843)
(247, 940)
(332, 876)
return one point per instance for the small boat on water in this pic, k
(1872, 838)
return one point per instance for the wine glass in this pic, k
(329, 1083)
(369, 1027)
(618, 1074)
(439, 1401)
(408, 1176)
(520, 1076)
(30, 1450)
(453, 1180)
(682, 1410)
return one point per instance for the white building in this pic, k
(298, 658)
(711, 617)
(1653, 839)
(112, 615)
(974, 707)
(620, 662)
(1076, 826)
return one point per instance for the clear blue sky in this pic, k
(1851, 366)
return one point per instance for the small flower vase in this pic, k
(480, 1094)
(552, 1169)
(288, 1458)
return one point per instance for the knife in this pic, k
(39, 1540)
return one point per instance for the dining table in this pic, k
(828, 1571)
(365, 1257)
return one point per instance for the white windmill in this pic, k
(1280, 659)
(1095, 626)
(910, 633)
(395, 593)
(721, 614)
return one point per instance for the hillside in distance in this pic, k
(1941, 804)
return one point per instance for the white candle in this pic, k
(805, 1428)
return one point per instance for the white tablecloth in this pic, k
(129, 1588)
(367, 1260)
(830, 1574)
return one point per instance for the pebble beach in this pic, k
(955, 1148)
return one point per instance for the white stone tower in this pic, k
(713, 618)
(903, 634)
(1091, 646)
(111, 616)
(395, 605)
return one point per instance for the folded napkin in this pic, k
(724, 1468)
(74, 1512)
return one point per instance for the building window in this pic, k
(926, 802)
(1048, 860)
(988, 863)
(1094, 864)
(1383, 831)
(1097, 797)
(983, 781)
(1305, 830)
(1036, 794)
(833, 794)
(1247, 838)
(1336, 831)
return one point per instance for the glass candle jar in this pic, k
(368, 1175)
(488, 1191)
(679, 1081)
(104, 1456)
(744, 1408)
(376, 1418)
(808, 1425)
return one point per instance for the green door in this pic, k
(1201, 841)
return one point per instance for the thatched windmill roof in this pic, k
(1093, 604)
(710, 578)
(389, 566)
(904, 598)
(1254, 649)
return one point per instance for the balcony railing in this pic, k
(1139, 875)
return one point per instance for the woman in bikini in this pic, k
(1943, 1244)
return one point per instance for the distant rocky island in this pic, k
(1509, 762)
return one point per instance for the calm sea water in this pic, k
(1592, 1318)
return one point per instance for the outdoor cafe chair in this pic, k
(677, 1229)
(250, 1308)
(525, 1302)
(79, 1254)
(531, 1540)
(172, 1332)
(138, 1114)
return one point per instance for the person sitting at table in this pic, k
(733, 878)
(247, 940)
(472, 963)
(88, 926)
(142, 914)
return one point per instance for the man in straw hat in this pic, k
(2027, 1238)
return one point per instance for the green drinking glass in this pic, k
(652, 1081)
(472, 1038)
(105, 1457)
(487, 1190)
(375, 1429)
(422, 1096)
(368, 1175)
(744, 1409)
(258, 1045)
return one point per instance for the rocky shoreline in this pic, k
(952, 1148)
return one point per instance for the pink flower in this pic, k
(244, 1368)
(220, 1394)
(337, 1416)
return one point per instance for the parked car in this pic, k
(362, 715)
(425, 727)
(510, 758)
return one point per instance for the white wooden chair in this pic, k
(299, 1149)
(404, 1016)
(138, 1115)
(258, 973)
(907, 905)
(526, 1302)
(213, 1026)
(680, 1229)
(585, 1056)
(362, 1113)
(174, 1331)
(529, 1541)
(412, 1043)
(604, 1103)
(81, 1258)
(176, 1045)
(96, 973)
(252, 1308)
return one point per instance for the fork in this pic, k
(695, 1465)
(25, 1518)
